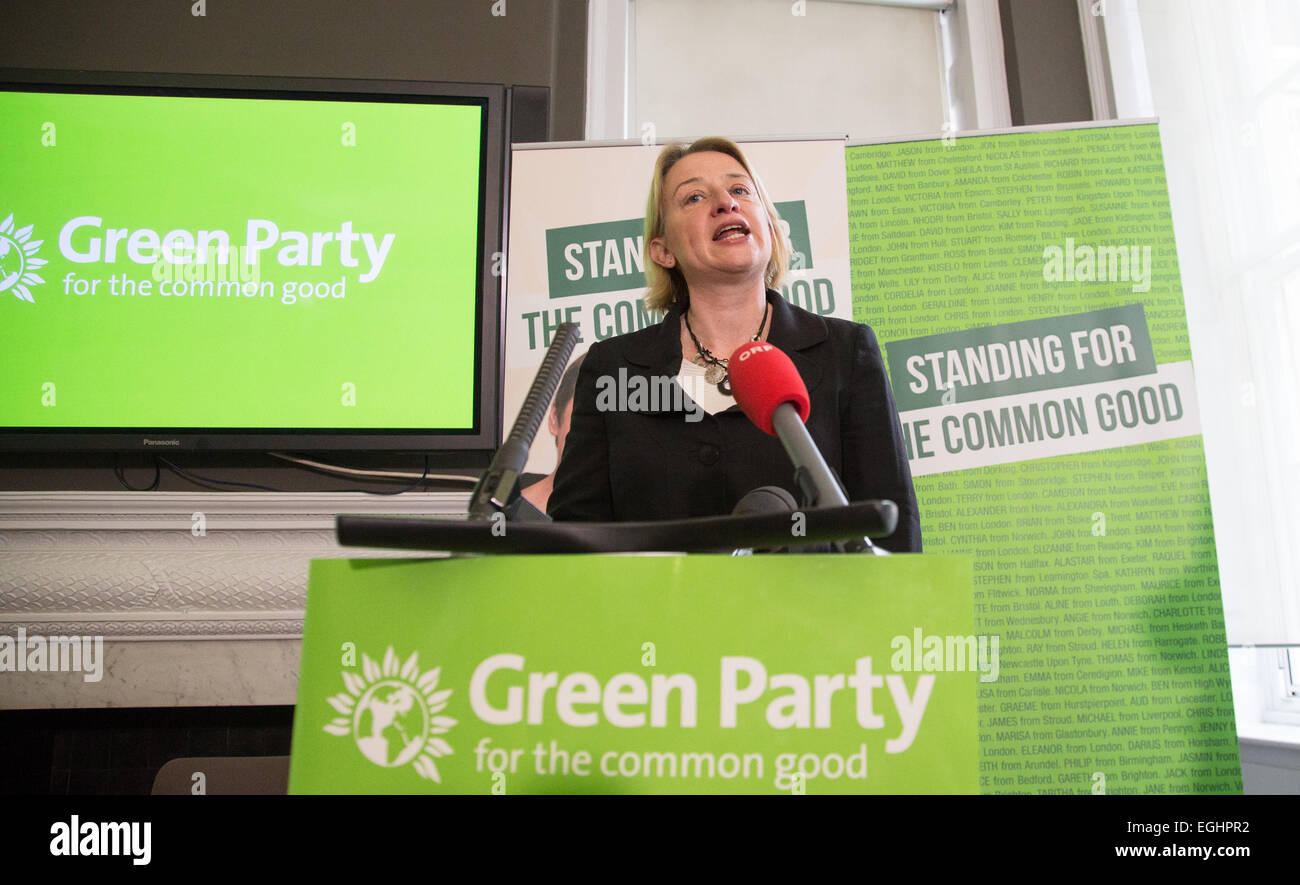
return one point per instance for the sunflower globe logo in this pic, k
(18, 261)
(390, 710)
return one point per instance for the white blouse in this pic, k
(706, 395)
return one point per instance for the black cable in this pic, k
(419, 482)
(121, 475)
(201, 480)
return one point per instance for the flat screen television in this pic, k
(239, 263)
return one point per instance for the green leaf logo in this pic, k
(18, 261)
(390, 710)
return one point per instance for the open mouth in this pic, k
(731, 232)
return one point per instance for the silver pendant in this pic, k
(714, 373)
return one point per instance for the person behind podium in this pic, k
(716, 255)
(537, 491)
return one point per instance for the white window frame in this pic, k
(975, 71)
(1279, 672)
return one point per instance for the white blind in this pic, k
(1224, 79)
(755, 67)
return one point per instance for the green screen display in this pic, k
(216, 262)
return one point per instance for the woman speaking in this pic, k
(715, 257)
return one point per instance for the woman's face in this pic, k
(715, 226)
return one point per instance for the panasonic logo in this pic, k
(162, 442)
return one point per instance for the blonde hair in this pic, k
(665, 286)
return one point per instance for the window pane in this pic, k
(753, 67)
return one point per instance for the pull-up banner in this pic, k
(640, 674)
(1025, 287)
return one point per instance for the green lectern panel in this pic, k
(640, 674)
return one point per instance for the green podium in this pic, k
(640, 674)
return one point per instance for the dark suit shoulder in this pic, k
(802, 328)
(836, 327)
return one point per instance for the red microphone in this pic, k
(762, 378)
(770, 392)
(768, 389)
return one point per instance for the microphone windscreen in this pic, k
(765, 499)
(762, 378)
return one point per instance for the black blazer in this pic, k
(623, 465)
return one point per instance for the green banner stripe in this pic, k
(1060, 351)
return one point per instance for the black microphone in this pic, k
(497, 490)
(767, 387)
(764, 499)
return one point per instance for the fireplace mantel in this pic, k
(196, 595)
